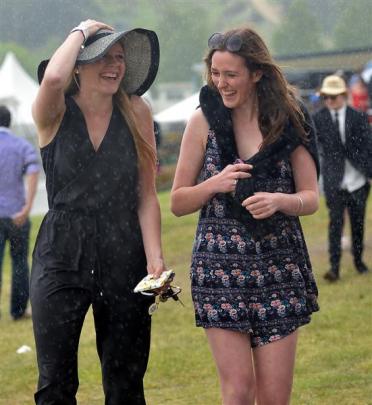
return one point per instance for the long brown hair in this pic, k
(276, 98)
(145, 151)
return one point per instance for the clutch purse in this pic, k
(160, 288)
(148, 285)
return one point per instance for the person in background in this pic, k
(158, 140)
(314, 101)
(248, 162)
(344, 138)
(101, 235)
(157, 133)
(18, 160)
(358, 93)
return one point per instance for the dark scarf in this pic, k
(220, 121)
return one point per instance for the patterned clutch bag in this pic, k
(148, 284)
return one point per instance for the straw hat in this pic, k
(141, 55)
(333, 85)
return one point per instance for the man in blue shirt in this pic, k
(18, 158)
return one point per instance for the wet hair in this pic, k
(277, 102)
(145, 151)
(5, 116)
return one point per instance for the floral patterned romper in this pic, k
(260, 283)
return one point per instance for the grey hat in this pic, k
(141, 56)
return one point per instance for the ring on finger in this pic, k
(235, 182)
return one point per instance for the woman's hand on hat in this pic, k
(226, 180)
(262, 205)
(90, 27)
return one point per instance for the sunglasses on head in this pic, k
(219, 41)
(327, 96)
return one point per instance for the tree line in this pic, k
(34, 28)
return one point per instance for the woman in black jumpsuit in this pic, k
(101, 234)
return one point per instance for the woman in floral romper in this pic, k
(249, 162)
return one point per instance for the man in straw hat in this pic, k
(345, 139)
(101, 235)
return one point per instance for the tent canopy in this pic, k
(17, 91)
(179, 112)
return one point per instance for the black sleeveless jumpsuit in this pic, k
(89, 251)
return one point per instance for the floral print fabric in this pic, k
(244, 279)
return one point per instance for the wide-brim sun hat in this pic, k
(141, 56)
(333, 85)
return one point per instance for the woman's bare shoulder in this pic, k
(198, 121)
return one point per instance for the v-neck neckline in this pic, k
(87, 135)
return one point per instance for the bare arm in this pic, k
(187, 196)
(49, 105)
(304, 202)
(149, 209)
(31, 185)
(306, 183)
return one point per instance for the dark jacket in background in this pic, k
(357, 148)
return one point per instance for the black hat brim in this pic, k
(142, 55)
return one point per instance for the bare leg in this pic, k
(233, 356)
(274, 366)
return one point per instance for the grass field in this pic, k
(334, 361)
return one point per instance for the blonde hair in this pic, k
(146, 152)
(276, 98)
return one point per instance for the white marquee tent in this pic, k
(17, 91)
(179, 112)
